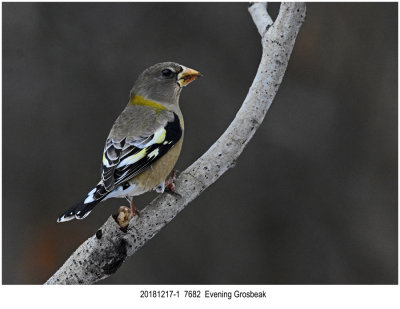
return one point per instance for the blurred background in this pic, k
(312, 199)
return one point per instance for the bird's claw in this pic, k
(170, 183)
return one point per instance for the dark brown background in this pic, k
(313, 198)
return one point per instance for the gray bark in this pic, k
(103, 253)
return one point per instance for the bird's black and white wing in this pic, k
(124, 159)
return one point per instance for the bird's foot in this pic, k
(134, 211)
(170, 182)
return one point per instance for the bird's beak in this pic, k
(187, 76)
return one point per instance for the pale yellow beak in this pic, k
(187, 76)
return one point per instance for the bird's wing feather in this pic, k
(127, 157)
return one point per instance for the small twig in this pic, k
(261, 18)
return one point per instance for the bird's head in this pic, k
(164, 81)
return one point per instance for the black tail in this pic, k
(82, 209)
(78, 211)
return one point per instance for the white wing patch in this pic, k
(154, 153)
(158, 138)
(134, 158)
(89, 198)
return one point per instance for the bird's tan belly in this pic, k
(158, 171)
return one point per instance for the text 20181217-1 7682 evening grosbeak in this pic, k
(145, 140)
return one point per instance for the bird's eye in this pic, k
(166, 73)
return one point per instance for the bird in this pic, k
(145, 141)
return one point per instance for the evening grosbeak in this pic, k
(145, 140)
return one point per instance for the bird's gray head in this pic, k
(163, 82)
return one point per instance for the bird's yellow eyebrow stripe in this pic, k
(139, 100)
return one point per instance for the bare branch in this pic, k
(103, 253)
(261, 18)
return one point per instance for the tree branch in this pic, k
(103, 253)
(261, 18)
